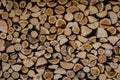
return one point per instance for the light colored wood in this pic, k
(15, 19)
(10, 49)
(34, 8)
(26, 51)
(72, 9)
(85, 31)
(66, 65)
(62, 2)
(113, 17)
(3, 26)
(6, 74)
(34, 34)
(101, 33)
(3, 35)
(22, 4)
(4, 57)
(15, 75)
(59, 9)
(41, 61)
(34, 21)
(49, 12)
(4, 15)
(93, 10)
(52, 19)
(48, 75)
(16, 67)
(60, 23)
(68, 16)
(9, 5)
(78, 16)
(28, 62)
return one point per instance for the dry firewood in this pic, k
(93, 10)
(69, 16)
(102, 14)
(2, 35)
(31, 73)
(6, 74)
(101, 33)
(105, 21)
(22, 4)
(84, 21)
(4, 15)
(49, 12)
(10, 49)
(15, 6)
(113, 39)
(85, 31)
(28, 62)
(60, 23)
(91, 57)
(26, 51)
(34, 21)
(41, 61)
(74, 36)
(107, 46)
(96, 45)
(3, 26)
(93, 2)
(67, 65)
(81, 55)
(60, 70)
(100, 7)
(112, 30)
(78, 16)
(34, 8)
(9, 5)
(53, 29)
(36, 14)
(92, 19)
(4, 57)
(16, 67)
(15, 75)
(70, 73)
(72, 9)
(57, 76)
(110, 74)
(39, 53)
(77, 67)
(82, 7)
(52, 19)
(5, 66)
(51, 37)
(62, 2)
(95, 71)
(59, 9)
(113, 17)
(93, 25)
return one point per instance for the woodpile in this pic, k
(59, 40)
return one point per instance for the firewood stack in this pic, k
(59, 40)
